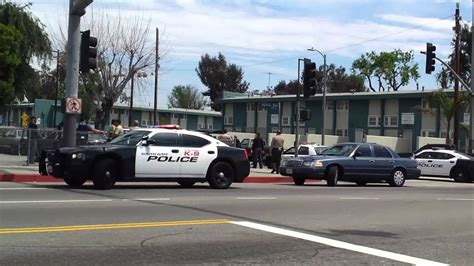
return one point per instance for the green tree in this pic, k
(35, 43)
(10, 40)
(391, 70)
(440, 99)
(283, 88)
(445, 78)
(187, 97)
(338, 80)
(219, 76)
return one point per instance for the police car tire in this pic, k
(397, 178)
(74, 182)
(333, 176)
(298, 180)
(221, 175)
(459, 175)
(186, 184)
(104, 174)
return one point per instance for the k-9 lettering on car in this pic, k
(150, 154)
(353, 162)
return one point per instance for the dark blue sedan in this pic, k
(353, 162)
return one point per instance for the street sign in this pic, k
(408, 118)
(24, 116)
(274, 119)
(24, 120)
(73, 105)
(24, 123)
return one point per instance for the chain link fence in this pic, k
(31, 142)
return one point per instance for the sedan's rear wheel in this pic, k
(398, 178)
(221, 175)
(333, 176)
(459, 175)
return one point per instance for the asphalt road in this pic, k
(425, 222)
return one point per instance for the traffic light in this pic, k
(309, 78)
(430, 58)
(305, 115)
(88, 57)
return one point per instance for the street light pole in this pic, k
(323, 119)
(57, 89)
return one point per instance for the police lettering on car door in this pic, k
(190, 156)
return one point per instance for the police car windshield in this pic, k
(131, 138)
(340, 150)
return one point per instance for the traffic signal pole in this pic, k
(72, 72)
(297, 130)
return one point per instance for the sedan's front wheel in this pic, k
(299, 181)
(333, 176)
(398, 178)
(221, 175)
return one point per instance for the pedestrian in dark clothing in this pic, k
(33, 140)
(257, 149)
(237, 142)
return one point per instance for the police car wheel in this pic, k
(186, 184)
(298, 180)
(397, 179)
(74, 182)
(104, 174)
(333, 176)
(221, 175)
(459, 175)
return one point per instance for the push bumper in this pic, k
(58, 165)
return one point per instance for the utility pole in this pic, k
(157, 69)
(131, 101)
(456, 69)
(269, 78)
(57, 89)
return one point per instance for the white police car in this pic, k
(150, 154)
(446, 163)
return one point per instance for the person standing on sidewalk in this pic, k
(257, 149)
(277, 149)
(33, 140)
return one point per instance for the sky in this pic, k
(265, 36)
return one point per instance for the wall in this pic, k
(421, 141)
(398, 144)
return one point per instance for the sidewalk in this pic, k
(13, 169)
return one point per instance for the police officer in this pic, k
(277, 148)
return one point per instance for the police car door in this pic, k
(160, 158)
(198, 154)
(443, 163)
(425, 161)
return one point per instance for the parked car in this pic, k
(303, 150)
(11, 141)
(449, 163)
(267, 151)
(353, 162)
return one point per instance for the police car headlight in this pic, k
(78, 156)
(318, 164)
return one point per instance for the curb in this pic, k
(7, 177)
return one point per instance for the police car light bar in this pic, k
(170, 126)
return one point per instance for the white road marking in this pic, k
(256, 198)
(356, 198)
(338, 244)
(22, 188)
(460, 199)
(51, 201)
(151, 199)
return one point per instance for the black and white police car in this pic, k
(150, 154)
(442, 162)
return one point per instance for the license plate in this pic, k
(49, 168)
(289, 171)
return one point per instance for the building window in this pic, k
(428, 133)
(201, 126)
(328, 131)
(443, 134)
(342, 105)
(330, 105)
(285, 121)
(374, 121)
(228, 120)
(260, 107)
(390, 121)
(250, 107)
(341, 132)
(209, 126)
(144, 122)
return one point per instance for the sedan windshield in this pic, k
(131, 138)
(340, 150)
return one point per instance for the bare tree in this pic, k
(125, 47)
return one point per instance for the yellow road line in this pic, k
(108, 226)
